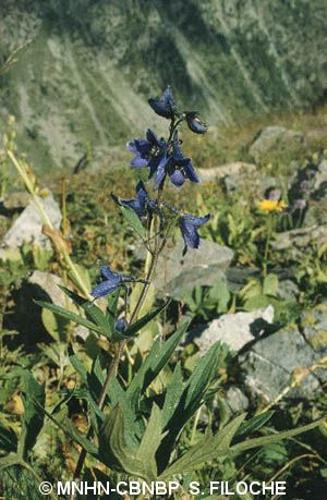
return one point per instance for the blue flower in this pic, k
(111, 281)
(165, 104)
(189, 225)
(121, 325)
(195, 124)
(142, 203)
(148, 152)
(178, 167)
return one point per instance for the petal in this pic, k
(196, 221)
(189, 233)
(177, 178)
(104, 288)
(107, 274)
(152, 138)
(190, 172)
(195, 124)
(138, 162)
(165, 105)
(142, 146)
(162, 170)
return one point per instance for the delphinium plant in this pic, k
(135, 426)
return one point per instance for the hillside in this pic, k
(82, 81)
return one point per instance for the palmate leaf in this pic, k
(115, 453)
(205, 450)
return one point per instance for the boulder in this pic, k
(233, 169)
(298, 239)
(320, 182)
(177, 275)
(27, 228)
(274, 138)
(268, 366)
(236, 330)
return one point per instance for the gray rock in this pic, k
(236, 400)
(269, 364)
(177, 275)
(235, 330)
(320, 183)
(234, 169)
(288, 290)
(272, 138)
(16, 200)
(27, 228)
(298, 239)
(314, 329)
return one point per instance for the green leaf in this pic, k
(78, 365)
(8, 440)
(201, 379)
(150, 441)
(270, 285)
(34, 397)
(265, 440)
(206, 450)
(254, 423)
(114, 452)
(155, 362)
(92, 312)
(142, 322)
(133, 220)
(60, 311)
(173, 395)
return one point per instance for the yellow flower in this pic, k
(268, 206)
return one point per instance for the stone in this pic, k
(320, 183)
(236, 400)
(314, 330)
(27, 228)
(233, 169)
(272, 138)
(236, 330)
(177, 275)
(268, 365)
(298, 239)
(16, 200)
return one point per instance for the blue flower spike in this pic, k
(189, 228)
(164, 105)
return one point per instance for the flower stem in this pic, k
(150, 265)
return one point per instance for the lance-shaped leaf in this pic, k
(61, 311)
(133, 220)
(205, 450)
(150, 442)
(154, 363)
(34, 397)
(142, 322)
(273, 438)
